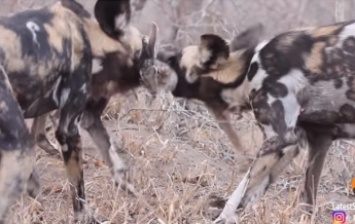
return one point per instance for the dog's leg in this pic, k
(271, 160)
(278, 120)
(320, 142)
(112, 151)
(17, 154)
(69, 138)
(73, 96)
(224, 122)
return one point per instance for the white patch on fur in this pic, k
(33, 27)
(268, 130)
(261, 45)
(96, 65)
(291, 109)
(55, 91)
(204, 56)
(261, 74)
(228, 213)
(294, 81)
(348, 31)
(258, 79)
(55, 146)
(189, 59)
(255, 58)
(270, 99)
(120, 22)
(64, 96)
(83, 88)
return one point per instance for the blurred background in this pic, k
(182, 21)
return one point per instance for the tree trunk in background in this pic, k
(340, 10)
(181, 22)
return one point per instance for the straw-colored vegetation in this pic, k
(181, 161)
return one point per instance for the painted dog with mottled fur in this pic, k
(45, 63)
(206, 90)
(109, 78)
(300, 86)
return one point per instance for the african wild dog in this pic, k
(50, 50)
(111, 77)
(300, 86)
(207, 89)
(118, 79)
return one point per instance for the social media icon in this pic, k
(339, 217)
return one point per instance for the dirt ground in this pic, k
(181, 161)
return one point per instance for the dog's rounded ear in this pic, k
(248, 38)
(149, 43)
(153, 35)
(213, 51)
(76, 7)
(113, 16)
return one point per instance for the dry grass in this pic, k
(181, 161)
